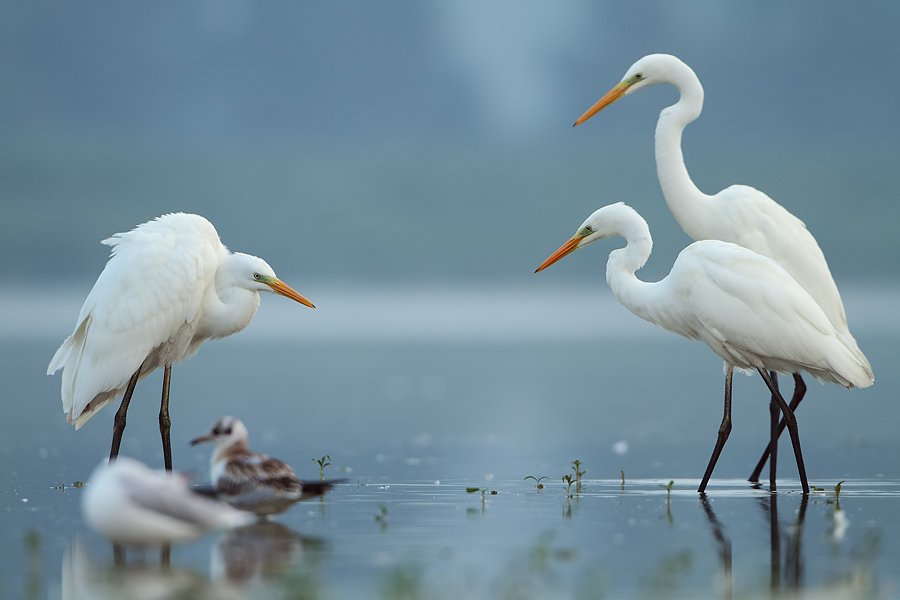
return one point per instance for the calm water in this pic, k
(417, 407)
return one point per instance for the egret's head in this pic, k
(649, 70)
(605, 222)
(224, 432)
(253, 273)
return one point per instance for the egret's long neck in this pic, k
(631, 292)
(227, 307)
(690, 206)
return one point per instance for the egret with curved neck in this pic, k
(744, 306)
(739, 214)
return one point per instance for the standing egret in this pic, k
(744, 306)
(169, 285)
(739, 213)
(252, 481)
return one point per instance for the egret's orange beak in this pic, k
(285, 290)
(610, 97)
(565, 249)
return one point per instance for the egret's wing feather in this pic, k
(751, 304)
(757, 222)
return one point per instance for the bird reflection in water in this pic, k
(724, 546)
(260, 551)
(85, 578)
(786, 574)
(790, 570)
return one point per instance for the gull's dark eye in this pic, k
(216, 430)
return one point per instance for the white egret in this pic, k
(742, 305)
(739, 213)
(127, 503)
(249, 480)
(169, 285)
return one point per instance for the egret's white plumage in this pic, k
(127, 503)
(169, 285)
(739, 213)
(744, 306)
(249, 480)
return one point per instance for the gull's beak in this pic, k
(280, 287)
(564, 250)
(610, 97)
(201, 439)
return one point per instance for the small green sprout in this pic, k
(837, 496)
(569, 480)
(322, 462)
(537, 481)
(668, 489)
(623, 480)
(576, 466)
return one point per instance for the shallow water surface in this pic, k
(436, 540)
(411, 422)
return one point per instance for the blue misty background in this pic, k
(396, 142)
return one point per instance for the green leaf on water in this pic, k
(472, 490)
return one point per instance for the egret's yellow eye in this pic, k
(257, 276)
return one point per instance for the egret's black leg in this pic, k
(774, 414)
(791, 424)
(119, 422)
(164, 422)
(724, 431)
(799, 392)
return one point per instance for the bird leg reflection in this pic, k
(793, 561)
(165, 423)
(724, 431)
(799, 392)
(119, 422)
(723, 542)
(791, 423)
(119, 555)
